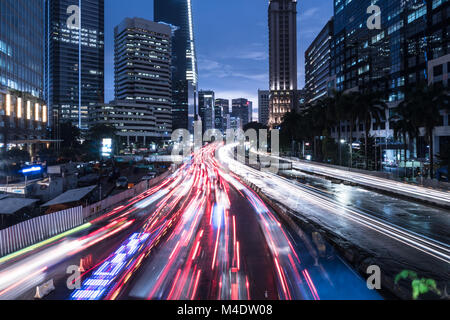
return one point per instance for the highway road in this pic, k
(396, 244)
(200, 234)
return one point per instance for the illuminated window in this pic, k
(19, 108)
(36, 111)
(8, 105)
(28, 110)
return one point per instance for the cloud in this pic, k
(309, 13)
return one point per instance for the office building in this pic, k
(222, 110)
(142, 73)
(206, 109)
(135, 122)
(412, 41)
(23, 112)
(22, 46)
(224, 104)
(263, 106)
(74, 60)
(318, 64)
(282, 58)
(178, 13)
(242, 109)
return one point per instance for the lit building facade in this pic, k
(413, 40)
(318, 64)
(263, 106)
(242, 109)
(74, 60)
(206, 109)
(135, 123)
(178, 13)
(282, 58)
(23, 112)
(142, 72)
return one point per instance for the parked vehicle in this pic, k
(122, 183)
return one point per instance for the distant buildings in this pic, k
(74, 61)
(242, 109)
(222, 113)
(142, 73)
(206, 109)
(282, 58)
(263, 106)
(178, 13)
(224, 104)
(23, 112)
(318, 64)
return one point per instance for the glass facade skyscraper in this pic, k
(21, 45)
(413, 32)
(74, 80)
(23, 113)
(178, 13)
(317, 64)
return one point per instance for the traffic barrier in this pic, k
(44, 289)
(85, 263)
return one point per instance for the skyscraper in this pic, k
(23, 113)
(206, 109)
(282, 58)
(224, 104)
(413, 38)
(263, 106)
(74, 79)
(222, 113)
(178, 13)
(318, 64)
(242, 109)
(22, 45)
(142, 74)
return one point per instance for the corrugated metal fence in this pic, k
(41, 228)
(38, 229)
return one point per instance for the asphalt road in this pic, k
(200, 234)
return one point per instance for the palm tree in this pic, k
(430, 101)
(335, 111)
(290, 126)
(404, 123)
(371, 107)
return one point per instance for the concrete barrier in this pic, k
(44, 289)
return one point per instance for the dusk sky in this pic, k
(231, 39)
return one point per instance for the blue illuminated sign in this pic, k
(96, 286)
(31, 169)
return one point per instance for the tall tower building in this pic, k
(242, 109)
(178, 13)
(206, 109)
(74, 59)
(318, 64)
(23, 113)
(22, 46)
(263, 106)
(142, 74)
(282, 58)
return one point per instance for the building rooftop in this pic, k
(9, 206)
(70, 196)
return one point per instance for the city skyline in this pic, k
(231, 74)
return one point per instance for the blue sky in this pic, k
(231, 39)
